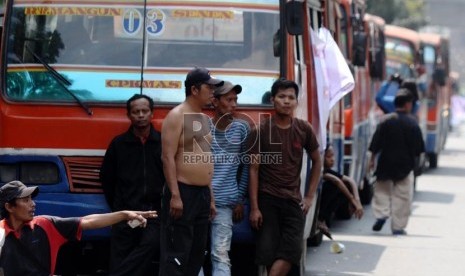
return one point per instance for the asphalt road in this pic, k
(435, 244)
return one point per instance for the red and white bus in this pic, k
(360, 111)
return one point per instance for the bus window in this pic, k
(399, 58)
(343, 44)
(101, 53)
(429, 57)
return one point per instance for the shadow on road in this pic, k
(357, 259)
(452, 151)
(429, 196)
(447, 171)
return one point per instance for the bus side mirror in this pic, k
(276, 44)
(359, 48)
(295, 17)
(377, 61)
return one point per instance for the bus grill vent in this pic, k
(83, 174)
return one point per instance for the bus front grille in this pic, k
(83, 174)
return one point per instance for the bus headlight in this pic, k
(30, 172)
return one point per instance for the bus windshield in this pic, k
(400, 57)
(105, 55)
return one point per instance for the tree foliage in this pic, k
(405, 13)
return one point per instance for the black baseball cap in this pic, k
(226, 87)
(16, 189)
(201, 75)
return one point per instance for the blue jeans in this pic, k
(221, 234)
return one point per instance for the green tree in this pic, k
(405, 13)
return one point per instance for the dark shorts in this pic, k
(281, 234)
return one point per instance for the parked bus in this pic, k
(435, 49)
(345, 21)
(69, 66)
(361, 112)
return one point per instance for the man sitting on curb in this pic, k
(29, 245)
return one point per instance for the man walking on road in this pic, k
(396, 143)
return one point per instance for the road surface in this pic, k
(435, 244)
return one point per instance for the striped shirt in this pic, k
(231, 173)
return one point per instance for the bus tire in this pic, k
(315, 240)
(433, 160)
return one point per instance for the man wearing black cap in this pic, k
(229, 183)
(396, 143)
(187, 203)
(29, 245)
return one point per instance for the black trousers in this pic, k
(135, 251)
(184, 240)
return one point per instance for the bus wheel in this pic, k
(315, 240)
(433, 160)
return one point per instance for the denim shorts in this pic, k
(281, 234)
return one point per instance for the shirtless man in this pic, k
(187, 202)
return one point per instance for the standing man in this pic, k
(188, 202)
(230, 177)
(397, 142)
(277, 207)
(132, 178)
(29, 245)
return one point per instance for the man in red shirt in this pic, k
(29, 245)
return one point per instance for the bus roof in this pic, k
(347, 3)
(430, 38)
(375, 19)
(358, 2)
(404, 34)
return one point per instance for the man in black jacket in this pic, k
(132, 178)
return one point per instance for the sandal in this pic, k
(324, 229)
